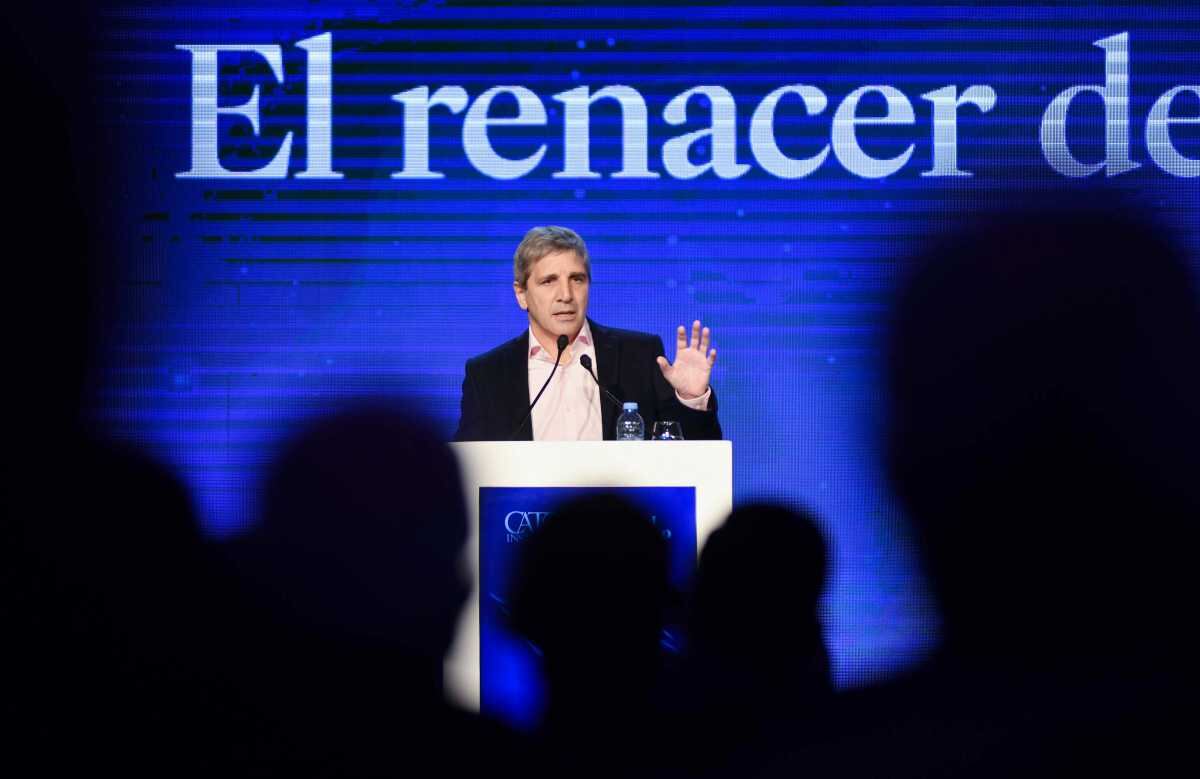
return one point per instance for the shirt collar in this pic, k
(583, 344)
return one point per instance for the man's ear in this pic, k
(519, 291)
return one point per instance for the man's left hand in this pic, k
(693, 362)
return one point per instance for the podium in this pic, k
(512, 486)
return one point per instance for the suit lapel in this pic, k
(608, 372)
(516, 384)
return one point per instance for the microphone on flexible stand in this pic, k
(562, 347)
(586, 362)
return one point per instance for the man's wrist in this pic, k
(697, 403)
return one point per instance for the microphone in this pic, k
(562, 347)
(586, 362)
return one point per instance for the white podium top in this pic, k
(705, 465)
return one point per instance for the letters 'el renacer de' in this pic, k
(945, 105)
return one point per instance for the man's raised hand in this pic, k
(693, 364)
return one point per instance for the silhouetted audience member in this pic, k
(758, 666)
(1043, 437)
(355, 568)
(590, 592)
(116, 607)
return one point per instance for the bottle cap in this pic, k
(630, 406)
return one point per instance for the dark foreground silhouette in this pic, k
(591, 593)
(117, 611)
(355, 570)
(758, 669)
(312, 646)
(1042, 436)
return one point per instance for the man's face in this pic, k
(556, 296)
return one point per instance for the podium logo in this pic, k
(519, 524)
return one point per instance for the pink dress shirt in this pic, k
(570, 407)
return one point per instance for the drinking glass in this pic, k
(667, 431)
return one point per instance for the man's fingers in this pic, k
(705, 338)
(680, 339)
(712, 357)
(663, 365)
(694, 341)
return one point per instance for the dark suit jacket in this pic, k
(495, 392)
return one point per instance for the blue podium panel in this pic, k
(510, 682)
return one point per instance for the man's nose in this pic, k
(565, 293)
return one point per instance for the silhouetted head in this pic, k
(755, 600)
(119, 554)
(1042, 390)
(591, 589)
(119, 609)
(362, 530)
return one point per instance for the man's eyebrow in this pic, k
(548, 277)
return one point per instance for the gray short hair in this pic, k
(539, 242)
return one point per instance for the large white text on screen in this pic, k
(677, 161)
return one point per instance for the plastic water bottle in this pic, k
(630, 425)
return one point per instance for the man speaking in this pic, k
(590, 369)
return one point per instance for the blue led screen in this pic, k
(319, 201)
